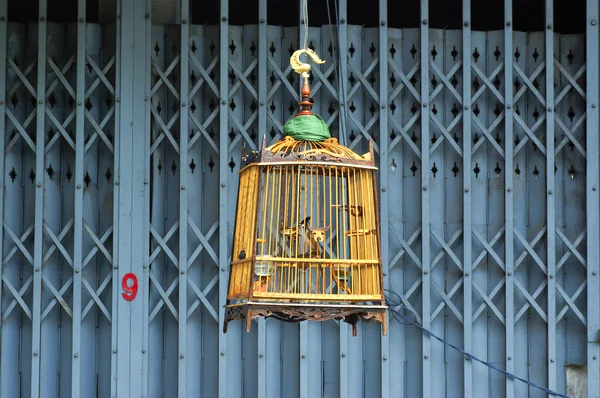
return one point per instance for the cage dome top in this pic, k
(306, 136)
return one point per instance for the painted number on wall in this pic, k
(130, 286)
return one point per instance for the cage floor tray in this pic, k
(297, 312)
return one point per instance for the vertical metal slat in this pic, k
(3, 78)
(342, 36)
(592, 211)
(425, 239)
(508, 204)
(78, 215)
(223, 194)
(39, 201)
(137, 191)
(550, 187)
(183, 197)
(262, 129)
(116, 207)
(384, 182)
(467, 220)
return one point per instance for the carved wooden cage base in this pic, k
(287, 312)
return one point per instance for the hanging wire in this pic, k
(305, 19)
(334, 51)
(396, 303)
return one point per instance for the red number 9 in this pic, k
(130, 291)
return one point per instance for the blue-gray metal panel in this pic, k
(384, 183)
(592, 207)
(562, 251)
(78, 215)
(425, 207)
(535, 325)
(407, 263)
(114, 336)
(262, 342)
(451, 234)
(478, 171)
(392, 141)
(17, 195)
(39, 201)
(97, 160)
(210, 215)
(196, 198)
(223, 195)
(105, 55)
(154, 320)
(139, 175)
(494, 266)
(508, 204)
(550, 189)
(467, 200)
(183, 196)
(170, 269)
(436, 173)
(570, 150)
(128, 155)
(56, 324)
(525, 157)
(3, 82)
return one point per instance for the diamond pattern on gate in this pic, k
(202, 112)
(362, 74)
(445, 83)
(404, 84)
(203, 62)
(165, 108)
(536, 101)
(60, 108)
(445, 115)
(99, 110)
(404, 143)
(18, 244)
(243, 98)
(491, 84)
(282, 80)
(569, 147)
(487, 121)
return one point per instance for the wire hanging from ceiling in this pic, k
(305, 19)
(334, 52)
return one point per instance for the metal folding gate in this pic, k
(117, 211)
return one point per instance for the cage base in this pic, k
(290, 312)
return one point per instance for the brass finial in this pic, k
(302, 69)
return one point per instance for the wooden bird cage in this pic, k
(306, 242)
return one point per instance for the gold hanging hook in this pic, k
(302, 68)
